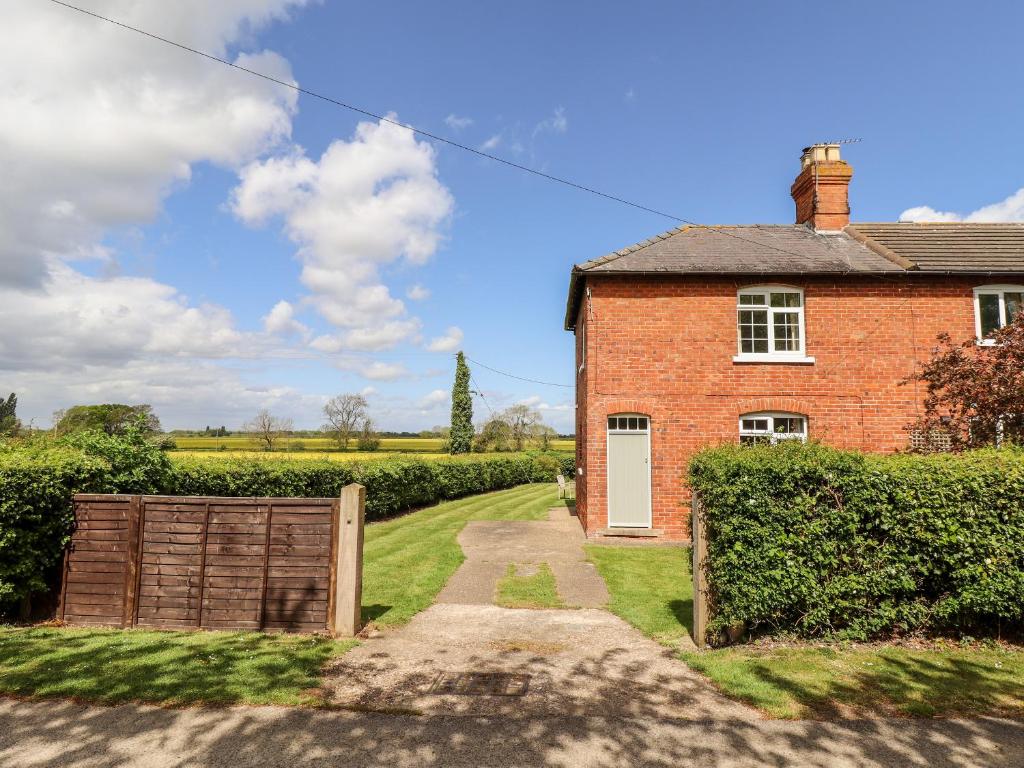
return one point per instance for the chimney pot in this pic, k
(821, 190)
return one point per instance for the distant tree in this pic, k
(494, 435)
(344, 415)
(523, 422)
(368, 439)
(267, 428)
(974, 392)
(9, 424)
(111, 418)
(460, 439)
(541, 435)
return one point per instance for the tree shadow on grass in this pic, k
(894, 682)
(112, 666)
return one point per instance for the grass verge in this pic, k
(406, 562)
(650, 587)
(172, 668)
(537, 590)
(652, 590)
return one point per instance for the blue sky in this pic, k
(160, 228)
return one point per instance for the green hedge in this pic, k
(392, 484)
(825, 543)
(38, 481)
(35, 514)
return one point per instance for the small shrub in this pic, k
(828, 543)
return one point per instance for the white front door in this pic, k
(629, 471)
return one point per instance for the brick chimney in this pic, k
(821, 190)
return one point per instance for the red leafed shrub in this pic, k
(975, 392)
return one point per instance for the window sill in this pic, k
(769, 358)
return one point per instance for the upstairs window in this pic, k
(771, 428)
(770, 320)
(994, 307)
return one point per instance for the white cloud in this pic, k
(1011, 209)
(630, 96)
(72, 320)
(433, 399)
(557, 123)
(381, 371)
(418, 293)
(449, 342)
(364, 204)
(536, 401)
(457, 123)
(382, 336)
(492, 143)
(281, 320)
(99, 127)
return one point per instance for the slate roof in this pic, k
(795, 249)
(758, 249)
(950, 247)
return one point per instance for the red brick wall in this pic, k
(664, 347)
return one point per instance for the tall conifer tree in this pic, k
(461, 438)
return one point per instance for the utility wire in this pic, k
(419, 131)
(520, 378)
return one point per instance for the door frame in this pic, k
(608, 473)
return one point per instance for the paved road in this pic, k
(35, 734)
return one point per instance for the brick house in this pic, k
(704, 335)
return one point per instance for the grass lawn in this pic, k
(652, 590)
(173, 668)
(406, 562)
(536, 591)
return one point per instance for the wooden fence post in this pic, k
(700, 592)
(133, 562)
(348, 571)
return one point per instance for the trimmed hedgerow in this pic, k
(35, 514)
(393, 484)
(819, 542)
(37, 484)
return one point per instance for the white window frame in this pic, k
(773, 437)
(992, 290)
(771, 356)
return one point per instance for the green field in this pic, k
(245, 444)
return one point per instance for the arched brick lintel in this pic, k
(774, 404)
(641, 406)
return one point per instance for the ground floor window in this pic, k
(770, 428)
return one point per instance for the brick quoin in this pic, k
(664, 347)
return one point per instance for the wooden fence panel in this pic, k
(192, 562)
(98, 562)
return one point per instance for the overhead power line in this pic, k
(419, 131)
(520, 378)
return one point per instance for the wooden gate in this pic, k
(213, 563)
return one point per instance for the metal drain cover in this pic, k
(481, 684)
